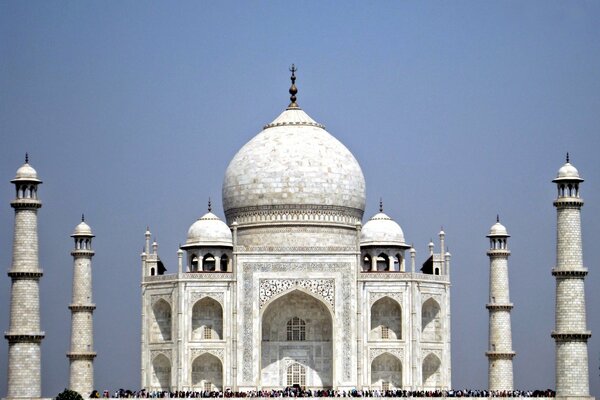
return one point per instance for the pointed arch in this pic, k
(366, 264)
(293, 311)
(207, 320)
(431, 372)
(209, 263)
(207, 373)
(431, 321)
(386, 372)
(383, 262)
(161, 373)
(386, 319)
(161, 324)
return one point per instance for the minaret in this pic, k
(81, 356)
(570, 331)
(500, 353)
(24, 335)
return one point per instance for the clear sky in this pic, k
(456, 111)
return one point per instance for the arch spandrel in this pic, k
(273, 289)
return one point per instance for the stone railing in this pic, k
(401, 276)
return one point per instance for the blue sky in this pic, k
(456, 111)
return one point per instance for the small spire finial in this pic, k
(380, 204)
(209, 205)
(26, 158)
(293, 88)
(82, 217)
(498, 218)
(567, 156)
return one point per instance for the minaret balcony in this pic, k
(568, 202)
(82, 307)
(569, 273)
(88, 355)
(16, 275)
(500, 355)
(499, 307)
(82, 253)
(571, 336)
(24, 337)
(26, 203)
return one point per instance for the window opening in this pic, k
(296, 329)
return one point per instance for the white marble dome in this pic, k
(294, 161)
(498, 230)
(381, 230)
(26, 173)
(209, 230)
(82, 229)
(568, 172)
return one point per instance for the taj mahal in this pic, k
(294, 286)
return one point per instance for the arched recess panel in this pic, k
(207, 373)
(431, 372)
(431, 321)
(296, 328)
(386, 320)
(386, 372)
(207, 320)
(161, 324)
(161, 373)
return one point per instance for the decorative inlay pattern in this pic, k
(195, 296)
(426, 352)
(219, 353)
(163, 296)
(374, 353)
(294, 213)
(374, 296)
(345, 291)
(291, 249)
(323, 288)
(164, 352)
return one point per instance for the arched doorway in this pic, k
(207, 320)
(161, 373)
(431, 372)
(207, 373)
(431, 321)
(296, 332)
(386, 320)
(386, 372)
(161, 324)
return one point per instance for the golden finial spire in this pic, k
(293, 88)
(209, 205)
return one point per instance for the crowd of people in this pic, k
(298, 392)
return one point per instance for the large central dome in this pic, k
(294, 163)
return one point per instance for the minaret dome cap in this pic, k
(498, 230)
(567, 173)
(82, 229)
(26, 173)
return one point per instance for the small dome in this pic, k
(209, 231)
(83, 229)
(26, 173)
(381, 230)
(568, 173)
(498, 230)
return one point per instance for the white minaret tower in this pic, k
(24, 335)
(81, 356)
(570, 331)
(500, 353)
